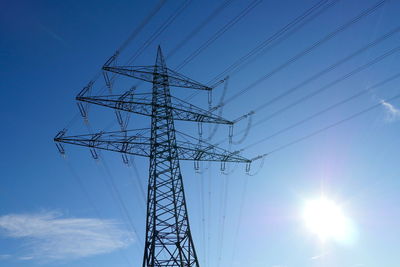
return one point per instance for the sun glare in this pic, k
(325, 218)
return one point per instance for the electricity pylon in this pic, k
(168, 237)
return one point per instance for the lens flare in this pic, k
(325, 218)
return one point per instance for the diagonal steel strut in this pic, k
(135, 142)
(168, 77)
(142, 104)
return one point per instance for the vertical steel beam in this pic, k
(168, 237)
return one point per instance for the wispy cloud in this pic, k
(392, 113)
(4, 256)
(317, 257)
(49, 236)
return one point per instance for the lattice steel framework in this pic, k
(168, 237)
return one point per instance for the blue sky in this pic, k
(76, 211)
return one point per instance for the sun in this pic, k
(326, 219)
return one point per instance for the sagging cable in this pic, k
(221, 100)
(248, 165)
(230, 170)
(249, 117)
(123, 123)
(203, 169)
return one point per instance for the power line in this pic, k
(201, 178)
(329, 68)
(123, 45)
(223, 204)
(153, 37)
(203, 219)
(139, 28)
(279, 35)
(113, 190)
(219, 33)
(79, 181)
(328, 127)
(271, 41)
(118, 198)
(141, 198)
(184, 41)
(327, 109)
(213, 131)
(140, 184)
(160, 30)
(207, 20)
(241, 206)
(135, 32)
(327, 86)
(168, 236)
(306, 51)
(246, 130)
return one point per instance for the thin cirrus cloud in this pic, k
(392, 113)
(49, 236)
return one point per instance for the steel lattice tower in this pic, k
(167, 226)
(168, 237)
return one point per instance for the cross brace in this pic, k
(135, 142)
(167, 78)
(142, 104)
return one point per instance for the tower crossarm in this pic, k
(146, 73)
(142, 104)
(136, 142)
